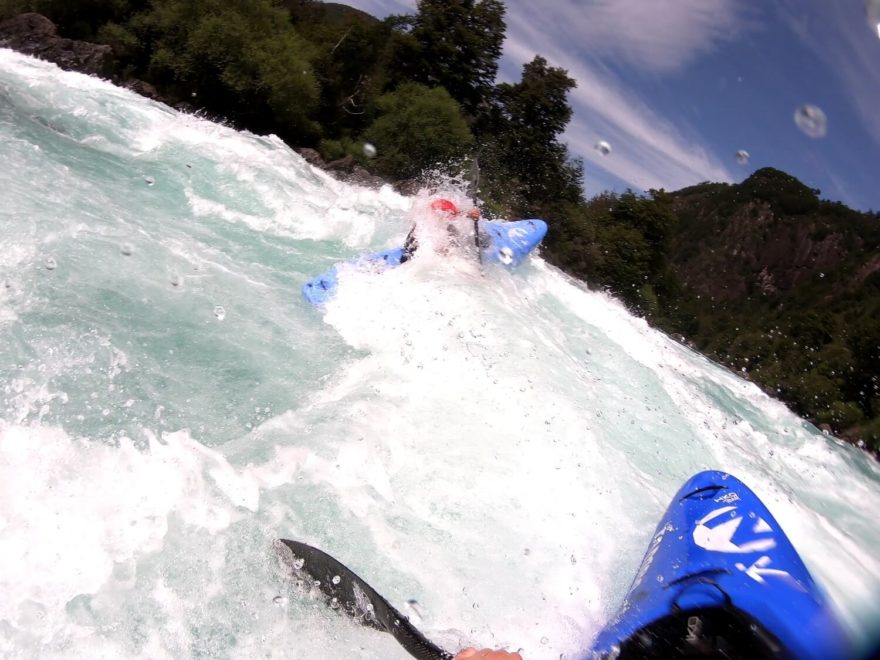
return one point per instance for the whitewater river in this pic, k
(498, 447)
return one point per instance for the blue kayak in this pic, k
(720, 578)
(506, 243)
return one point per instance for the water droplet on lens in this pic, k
(220, 312)
(872, 9)
(811, 120)
(126, 249)
(175, 279)
(334, 603)
(280, 601)
(369, 150)
(545, 640)
(150, 180)
(51, 264)
(505, 255)
(742, 157)
(659, 578)
(602, 147)
(336, 579)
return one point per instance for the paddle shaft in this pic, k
(474, 184)
(346, 592)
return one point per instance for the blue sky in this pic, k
(676, 87)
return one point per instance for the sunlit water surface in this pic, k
(498, 446)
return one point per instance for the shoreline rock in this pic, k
(34, 34)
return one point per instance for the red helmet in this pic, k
(445, 206)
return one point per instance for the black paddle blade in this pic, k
(346, 592)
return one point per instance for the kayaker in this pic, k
(442, 210)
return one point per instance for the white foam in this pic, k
(483, 441)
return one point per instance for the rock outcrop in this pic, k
(34, 34)
(345, 169)
(755, 250)
(766, 236)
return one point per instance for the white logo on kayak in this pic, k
(728, 498)
(758, 571)
(720, 537)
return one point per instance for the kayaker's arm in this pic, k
(410, 245)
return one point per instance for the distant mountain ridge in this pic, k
(784, 287)
(333, 13)
(768, 235)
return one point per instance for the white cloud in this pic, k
(654, 35)
(650, 151)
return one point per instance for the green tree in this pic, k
(417, 128)
(350, 48)
(521, 130)
(76, 19)
(784, 193)
(453, 44)
(243, 59)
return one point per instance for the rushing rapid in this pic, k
(495, 445)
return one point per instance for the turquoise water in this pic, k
(497, 446)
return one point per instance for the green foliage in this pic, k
(816, 345)
(350, 49)
(417, 128)
(335, 149)
(870, 434)
(123, 41)
(244, 57)
(619, 242)
(785, 194)
(453, 44)
(520, 144)
(76, 19)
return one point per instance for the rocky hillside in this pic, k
(768, 236)
(784, 287)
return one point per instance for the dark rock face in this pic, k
(345, 169)
(142, 88)
(34, 34)
(312, 157)
(756, 251)
(361, 177)
(344, 165)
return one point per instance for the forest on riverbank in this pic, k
(763, 276)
